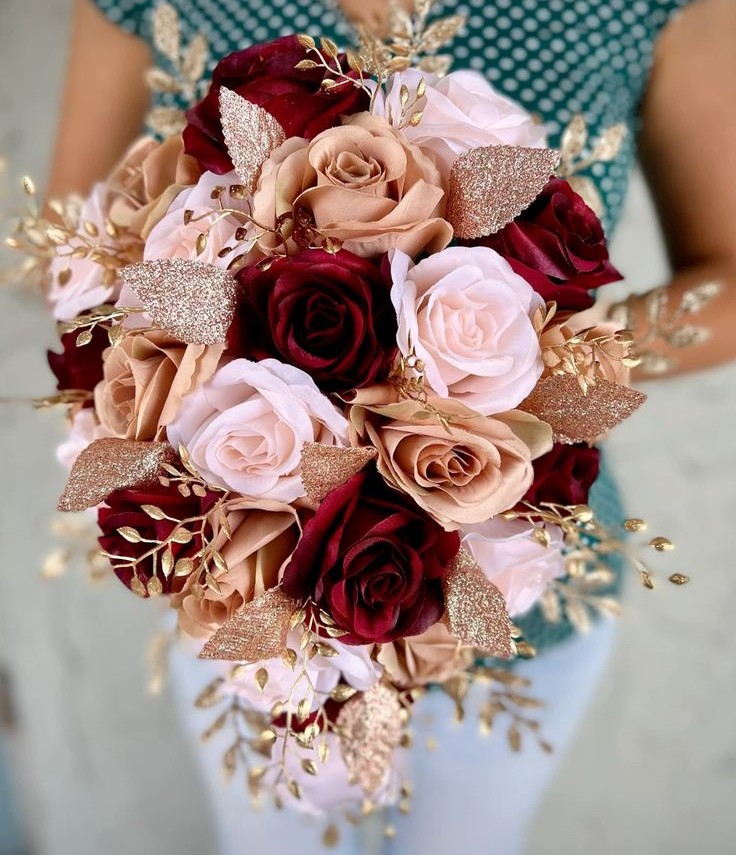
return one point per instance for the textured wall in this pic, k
(101, 766)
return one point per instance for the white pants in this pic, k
(471, 795)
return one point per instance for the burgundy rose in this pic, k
(374, 560)
(564, 475)
(79, 367)
(123, 508)
(266, 75)
(330, 315)
(557, 244)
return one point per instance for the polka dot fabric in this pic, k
(556, 57)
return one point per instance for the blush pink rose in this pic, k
(460, 112)
(517, 564)
(351, 664)
(246, 427)
(87, 286)
(171, 238)
(469, 318)
(85, 429)
(333, 790)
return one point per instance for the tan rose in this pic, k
(264, 535)
(145, 378)
(571, 346)
(361, 184)
(432, 657)
(461, 473)
(147, 180)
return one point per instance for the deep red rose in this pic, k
(564, 475)
(374, 560)
(266, 75)
(79, 367)
(123, 508)
(557, 244)
(330, 315)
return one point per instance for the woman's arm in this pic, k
(688, 151)
(104, 102)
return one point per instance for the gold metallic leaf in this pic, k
(112, 464)
(490, 186)
(192, 300)
(577, 417)
(369, 729)
(258, 631)
(325, 467)
(251, 134)
(476, 609)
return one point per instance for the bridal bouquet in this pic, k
(332, 395)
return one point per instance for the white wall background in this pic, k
(101, 767)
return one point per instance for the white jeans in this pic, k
(472, 795)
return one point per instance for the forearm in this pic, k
(686, 325)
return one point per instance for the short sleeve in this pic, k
(129, 15)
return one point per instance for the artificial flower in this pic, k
(459, 112)
(518, 565)
(267, 75)
(246, 427)
(329, 315)
(144, 380)
(362, 185)
(373, 560)
(470, 320)
(558, 246)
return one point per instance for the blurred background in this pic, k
(89, 762)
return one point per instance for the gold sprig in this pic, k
(411, 41)
(68, 236)
(206, 564)
(578, 154)
(588, 544)
(187, 68)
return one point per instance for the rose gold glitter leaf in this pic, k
(325, 467)
(194, 301)
(113, 464)
(251, 134)
(490, 186)
(476, 609)
(258, 631)
(575, 417)
(369, 729)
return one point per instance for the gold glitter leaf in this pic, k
(251, 134)
(577, 417)
(490, 186)
(111, 464)
(325, 467)
(194, 301)
(369, 729)
(476, 609)
(258, 631)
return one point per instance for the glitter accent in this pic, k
(476, 609)
(491, 186)
(110, 464)
(258, 631)
(251, 134)
(325, 467)
(369, 728)
(194, 301)
(577, 417)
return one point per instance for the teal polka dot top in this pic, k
(556, 57)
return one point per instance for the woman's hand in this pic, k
(104, 103)
(688, 151)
